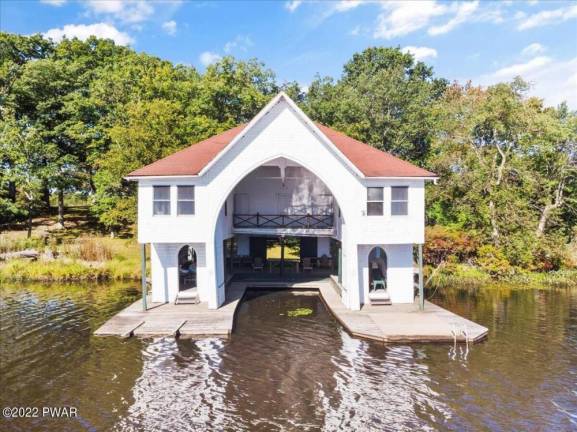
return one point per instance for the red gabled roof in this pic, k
(191, 160)
(369, 160)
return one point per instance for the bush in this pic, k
(443, 243)
(88, 249)
(493, 261)
(550, 255)
(20, 243)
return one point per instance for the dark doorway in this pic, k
(258, 247)
(308, 247)
(186, 268)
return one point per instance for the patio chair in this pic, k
(378, 280)
(258, 264)
(307, 264)
(324, 262)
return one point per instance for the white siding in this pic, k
(280, 134)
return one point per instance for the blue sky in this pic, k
(484, 42)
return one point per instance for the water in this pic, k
(283, 372)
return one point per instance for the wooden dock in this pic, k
(401, 323)
(398, 323)
(168, 319)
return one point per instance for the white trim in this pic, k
(322, 136)
(159, 177)
(301, 115)
(403, 178)
(242, 133)
(315, 129)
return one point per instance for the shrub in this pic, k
(443, 243)
(88, 249)
(19, 244)
(493, 261)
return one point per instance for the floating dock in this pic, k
(398, 323)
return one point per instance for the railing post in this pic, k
(257, 220)
(281, 255)
(421, 287)
(143, 275)
(308, 220)
(340, 264)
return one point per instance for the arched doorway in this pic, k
(377, 270)
(186, 268)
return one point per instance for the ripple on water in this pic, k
(280, 372)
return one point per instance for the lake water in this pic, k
(286, 372)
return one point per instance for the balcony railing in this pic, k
(297, 221)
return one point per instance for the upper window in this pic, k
(161, 200)
(375, 201)
(185, 200)
(399, 200)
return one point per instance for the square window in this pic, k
(399, 208)
(186, 193)
(399, 200)
(185, 200)
(374, 208)
(375, 205)
(375, 194)
(186, 207)
(162, 193)
(161, 200)
(161, 208)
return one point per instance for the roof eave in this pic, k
(157, 177)
(402, 177)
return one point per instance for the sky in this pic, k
(479, 41)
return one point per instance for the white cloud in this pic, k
(292, 5)
(462, 14)
(128, 11)
(169, 27)
(208, 58)
(420, 53)
(240, 43)
(53, 2)
(552, 80)
(399, 18)
(355, 31)
(533, 49)
(346, 5)
(548, 17)
(521, 68)
(83, 32)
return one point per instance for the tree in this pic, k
(383, 98)
(24, 146)
(507, 166)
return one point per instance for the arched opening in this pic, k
(186, 268)
(285, 222)
(377, 274)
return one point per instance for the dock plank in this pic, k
(399, 323)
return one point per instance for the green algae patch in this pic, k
(300, 312)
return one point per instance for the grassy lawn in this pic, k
(273, 252)
(76, 253)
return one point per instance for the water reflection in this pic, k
(281, 372)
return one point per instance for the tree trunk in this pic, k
(29, 220)
(91, 182)
(46, 197)
(61, 208)
(543, 220)
(546, 213)
(12, 191)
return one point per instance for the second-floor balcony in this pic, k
(284, 221)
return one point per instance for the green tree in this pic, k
(383, 98)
